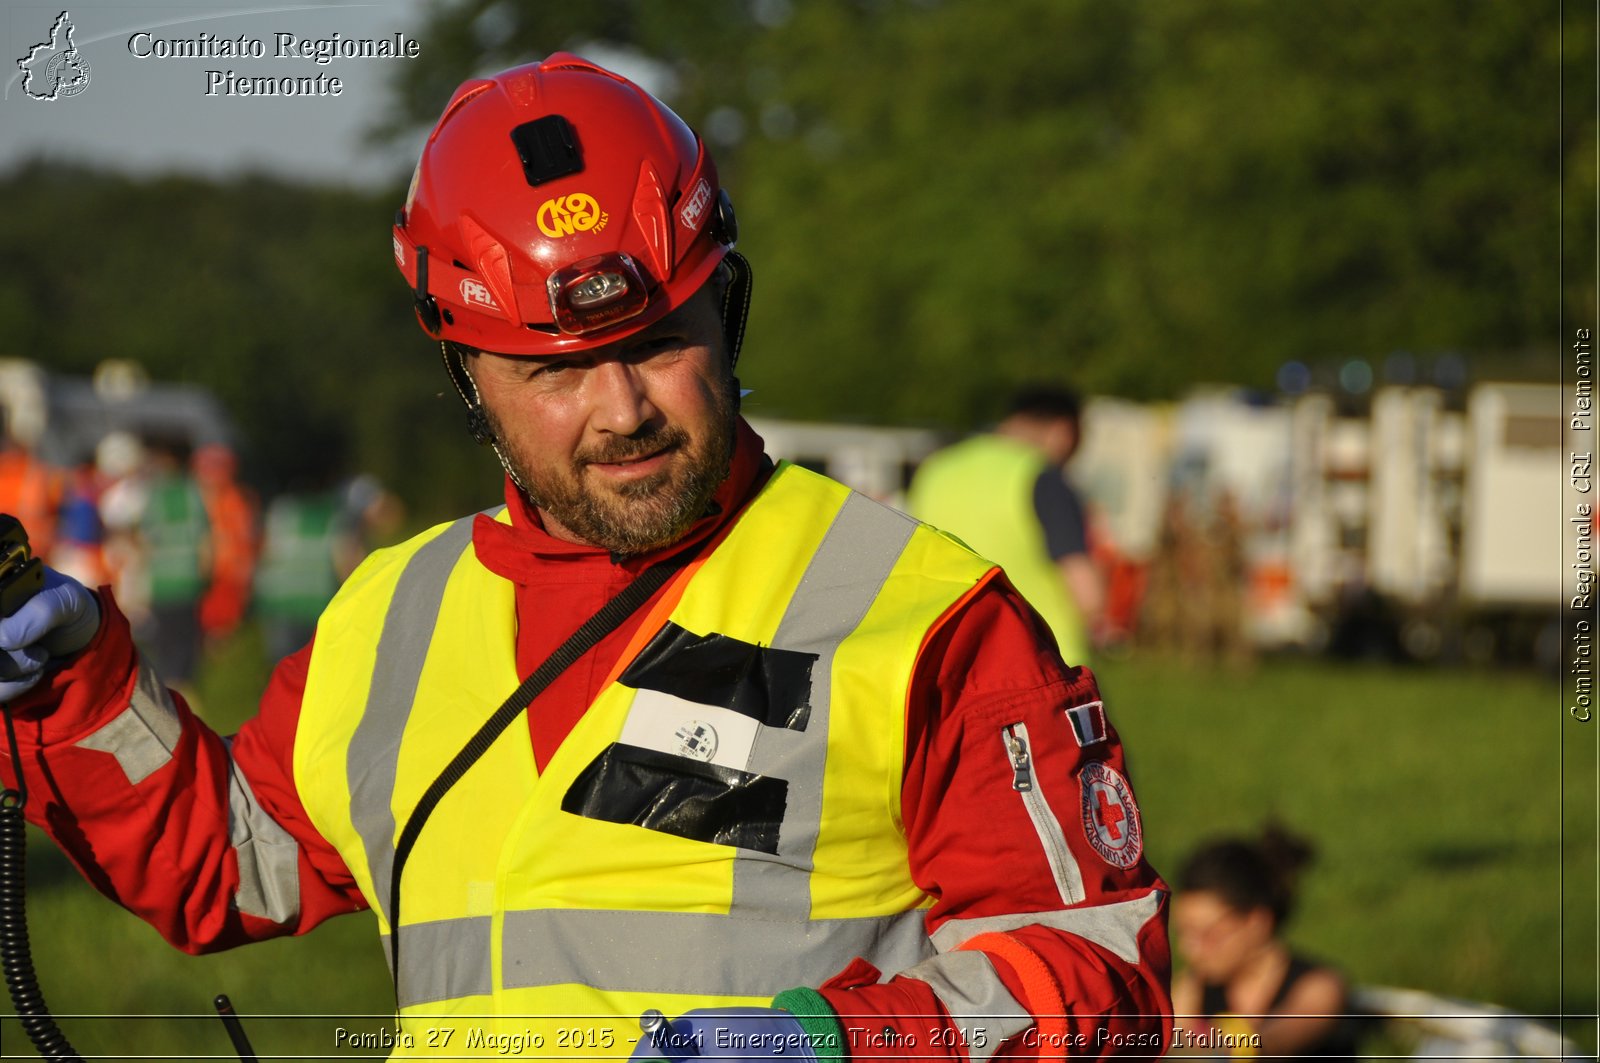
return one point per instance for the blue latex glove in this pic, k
(728, 1033)
(55, 623)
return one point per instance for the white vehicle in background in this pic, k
(63, 418)
(1377, 519)
(1217, 464)
(1411, 521)
(876, 461)
(1522, 490)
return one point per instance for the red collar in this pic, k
(523, 550)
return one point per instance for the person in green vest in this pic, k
(297, 576)
(175, 536)
(1005, 494)
(312, 541)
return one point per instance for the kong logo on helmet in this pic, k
(575, 213)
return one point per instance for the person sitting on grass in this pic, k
(1244, 991)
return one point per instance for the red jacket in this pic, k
(974, 846)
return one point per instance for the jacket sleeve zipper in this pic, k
(1063, 867)
(1021, 768)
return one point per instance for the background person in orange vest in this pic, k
(231, 508)
(30, 490)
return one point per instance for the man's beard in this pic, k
(640, 515)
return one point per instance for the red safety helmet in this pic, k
(558, 207)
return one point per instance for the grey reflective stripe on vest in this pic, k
(971, 991)
(840, 583)
(1114, 927)
(374, 752)
(445, 959)
(142, 736)
(699, 953)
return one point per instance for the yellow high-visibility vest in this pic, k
(981, 490)
(722, 824)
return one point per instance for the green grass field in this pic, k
(1435, 799)
(1438, 801)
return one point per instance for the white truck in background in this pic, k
(1522, 493)
(1405, 524)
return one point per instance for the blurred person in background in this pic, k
(79, 549)
(176, 540)
(370, 515)
(304, 558)
(1243, 990)
(30, 489)
(312, 541)
(1224, 586)
(1166, 611)
(231, 510)
(1006, 495)
(1196, 597)
(124, 493)
(779, 749)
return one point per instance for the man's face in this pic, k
(622, 446)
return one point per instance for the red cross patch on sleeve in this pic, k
(1110, 817)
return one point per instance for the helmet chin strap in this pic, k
(455, 363)
(736, 304)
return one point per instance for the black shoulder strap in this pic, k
(597, 627)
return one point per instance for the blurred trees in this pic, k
(941, 198)
(281, 299)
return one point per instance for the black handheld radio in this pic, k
(21, 574)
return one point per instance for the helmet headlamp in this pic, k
(597, 292)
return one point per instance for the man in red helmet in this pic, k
(675, 730)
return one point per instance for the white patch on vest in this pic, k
(683, 728)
